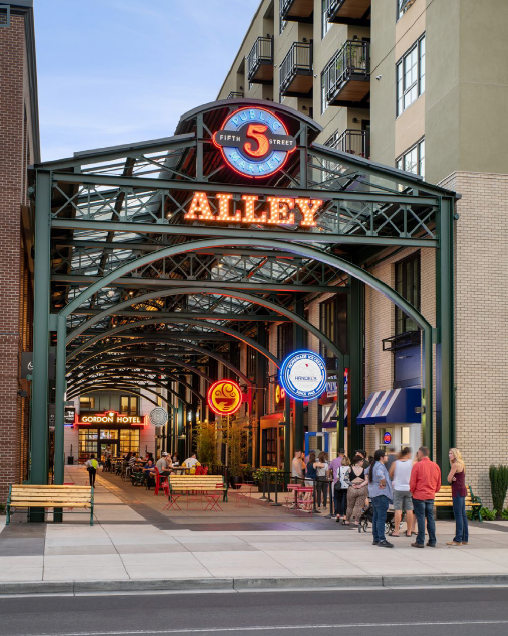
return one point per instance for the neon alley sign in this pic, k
(279, 210)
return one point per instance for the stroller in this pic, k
(366, 518)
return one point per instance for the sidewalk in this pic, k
(125, 546)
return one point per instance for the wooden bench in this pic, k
(204, 485)
(48, 496)
(444, 498)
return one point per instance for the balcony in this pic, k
(260, 62)
(346, 76)
(296, 71)
(296, 10)
(354, 12)
(234, 95)
(354, 142)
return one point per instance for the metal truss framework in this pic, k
(116, 259)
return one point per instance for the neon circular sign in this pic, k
(387, 438)
(303, 375)
(254, 142)
(224, 397)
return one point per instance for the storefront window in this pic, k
(86, 403)
(87, 443)
(129, 405)
(269, 447)
(405, 436)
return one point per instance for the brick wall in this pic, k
(12, 195)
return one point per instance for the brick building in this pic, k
(19, 147)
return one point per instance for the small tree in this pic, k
(499, 486)
(206, 442)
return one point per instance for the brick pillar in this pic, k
(12, 195)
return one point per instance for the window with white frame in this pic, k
(413, 160)
(325, 25)
(403, 6)
(324, 102)
(411, 76)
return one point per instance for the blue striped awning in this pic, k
(330, 415)
(392, 407)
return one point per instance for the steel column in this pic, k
(39, 410)
(355, 349)
(445, 398)
(261, 387)
(298, 341)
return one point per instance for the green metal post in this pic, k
(287, 434)
(298, 341)
(340, 402)
(261, 386)
(445, 397)
(59, 408)
(39, 411)
(355, 349)
(427, 392)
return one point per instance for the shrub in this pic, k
(2, 508)
(504, 514)
(499, 485)
(487, 514)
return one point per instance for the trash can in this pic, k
(70, 460)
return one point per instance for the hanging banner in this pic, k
(303, 375)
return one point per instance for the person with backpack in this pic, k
(91, 465)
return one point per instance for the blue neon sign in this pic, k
(303, 375)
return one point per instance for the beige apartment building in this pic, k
(421, 85)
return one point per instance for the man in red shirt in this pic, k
(425, 482)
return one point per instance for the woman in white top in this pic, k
(400, 472)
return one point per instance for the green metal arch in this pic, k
(197, 323)
(73, 384)
(255, 300)
(212, 354)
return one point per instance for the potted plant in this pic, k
(499, 486)
(235, 439)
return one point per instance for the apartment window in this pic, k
(129, 405)
(251, 363)
(325, 25)
(413, 160)
(411, 76)
(407, 283)
(86, 403)
(332, 323)
(284, 340)
(324, 102)
(403, 6)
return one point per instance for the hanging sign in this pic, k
(254, 142)
(280, 394)
(387, 438)
(303, 375)
(224, 397)
(158, 416)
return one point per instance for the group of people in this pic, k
(387, 479)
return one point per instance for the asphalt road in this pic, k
(438, 612)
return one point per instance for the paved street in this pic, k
(417, 612)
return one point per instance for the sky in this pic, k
(119, 71)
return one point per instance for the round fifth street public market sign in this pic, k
(254, 142)
(303, 375)
(224, 397)
(158, 416)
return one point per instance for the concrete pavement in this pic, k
(125, 546)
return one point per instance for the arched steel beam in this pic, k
(126, 354)
(74, 387)
(159, 321)
(195, 323)
(119, 373)
(288, 246)
(162, 339)
(255, 300)
(92, 389)
(121, 385)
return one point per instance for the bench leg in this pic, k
(8, 512)
(91, 516)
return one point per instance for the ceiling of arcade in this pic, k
(112, 206)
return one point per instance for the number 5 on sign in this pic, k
(257, 132)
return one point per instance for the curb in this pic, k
(251, 584)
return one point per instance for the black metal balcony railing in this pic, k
(296, 70)
(296, 10)
(234, 95)
(354, 142)
(348, 11)
(351, 62)
(260, 61)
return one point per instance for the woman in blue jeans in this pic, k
(381, 495)
(457, 478)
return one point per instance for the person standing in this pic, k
(381, 495)
(424, 484)
(400, 474)
(91, 465)
(392, 458)
(333, 472)
(296, 467)
(357, 491)
(341, 488)
(457, 478)
(321, 479)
